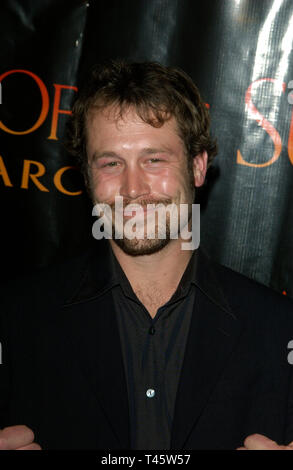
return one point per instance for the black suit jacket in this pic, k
(63, 375)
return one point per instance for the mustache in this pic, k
(142, 202)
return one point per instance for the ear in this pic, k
(200, 168)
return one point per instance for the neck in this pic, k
(165, 268)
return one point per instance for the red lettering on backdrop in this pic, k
(59, 185)
(265, 124)
(57, 110)
(4, 174)
(27, 174)
(45, 102)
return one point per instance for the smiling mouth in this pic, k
(128, 213)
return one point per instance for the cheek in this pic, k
(169, 182)
(105, 188)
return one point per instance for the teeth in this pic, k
(132, 209)
(128, 212)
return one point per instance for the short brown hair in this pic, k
(155, 91)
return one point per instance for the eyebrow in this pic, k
(144, 151)
(98, 155)
(151, 151)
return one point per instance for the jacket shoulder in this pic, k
(50, 285)
(246, 293)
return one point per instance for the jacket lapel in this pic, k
(214, 331)
(91, 325)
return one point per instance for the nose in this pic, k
(134, 184)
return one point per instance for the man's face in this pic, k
(142, 163)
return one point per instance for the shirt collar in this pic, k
(101, 272)
(188, 277)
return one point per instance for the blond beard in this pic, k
(144, 246)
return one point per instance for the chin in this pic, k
(142, 247)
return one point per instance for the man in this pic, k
(143, 344)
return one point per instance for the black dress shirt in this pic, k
(153, 351)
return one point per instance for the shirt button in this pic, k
(150, 393)
(152, 330)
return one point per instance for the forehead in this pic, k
(111, 122)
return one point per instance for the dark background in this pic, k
(226, 46)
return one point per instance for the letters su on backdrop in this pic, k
(29, 166)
